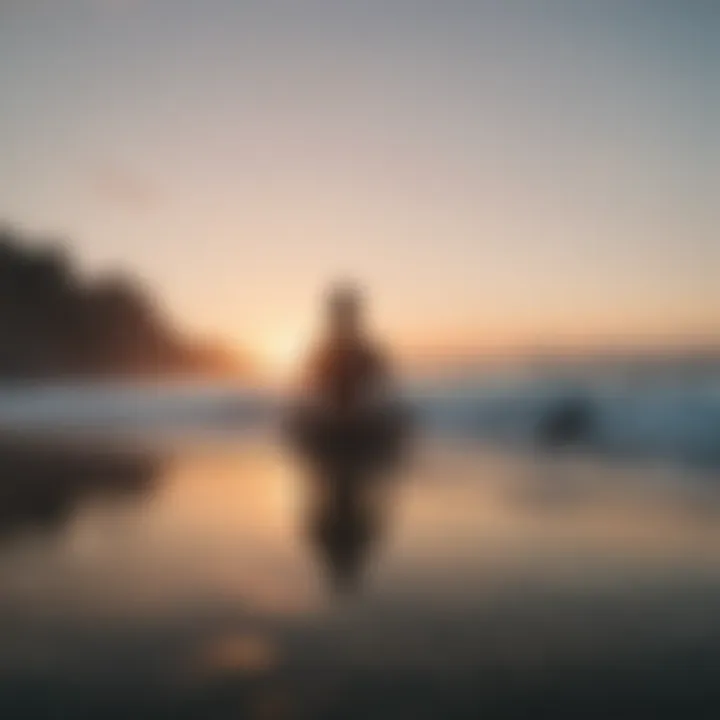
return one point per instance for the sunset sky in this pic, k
(495, 172)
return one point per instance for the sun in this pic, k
(282, 354)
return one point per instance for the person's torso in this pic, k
(347, 373)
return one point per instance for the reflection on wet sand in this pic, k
(44, 484)
(503, 588)
(350, 467)
(349, 500)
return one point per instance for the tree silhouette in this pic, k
(56, 323)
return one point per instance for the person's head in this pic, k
(344, 310)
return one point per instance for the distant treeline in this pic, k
(56, 323)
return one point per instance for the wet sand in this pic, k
(226, 579)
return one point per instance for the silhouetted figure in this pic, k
(350, 412)
(347, 373)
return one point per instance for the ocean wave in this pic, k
(112, 406)
(675, 420)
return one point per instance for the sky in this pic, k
(495, 173)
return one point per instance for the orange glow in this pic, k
(282, 351)
(241, 653)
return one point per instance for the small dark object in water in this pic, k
(568, 422)
(376, 435)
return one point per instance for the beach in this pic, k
(213, 574)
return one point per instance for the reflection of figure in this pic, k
(42, 486)
(347, 372)
(349, 500)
